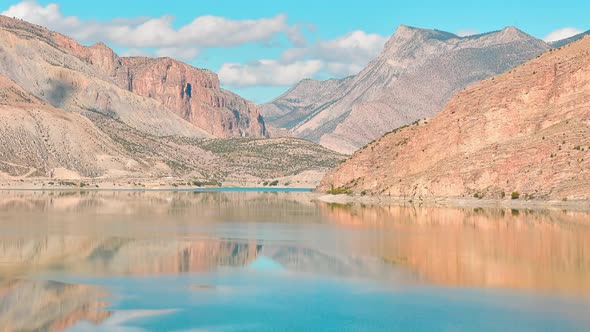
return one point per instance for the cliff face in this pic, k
(415, 75)
(153, 95)
(194, 95)
(524, 131)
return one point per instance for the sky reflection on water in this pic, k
(280, 261)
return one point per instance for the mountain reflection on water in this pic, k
(57, 248)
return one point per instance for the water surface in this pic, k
(251, 261)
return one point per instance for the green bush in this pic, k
(339, 191)
(274, 183)
(515, 195)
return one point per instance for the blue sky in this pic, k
(261, 47)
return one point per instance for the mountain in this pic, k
(563, 42)
(524, 132)
(40, 140)
(156, 96)
(303, 101)
(73, 112)
(414, 76)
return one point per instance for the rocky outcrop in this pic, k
(415, 75)
(525, 132)
(194, 95)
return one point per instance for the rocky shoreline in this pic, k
(457, 202)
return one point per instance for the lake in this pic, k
(275, 261)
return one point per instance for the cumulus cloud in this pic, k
(268, 73)
(561, 34)
(157, 36)
(356, 47)
(466, 32)
(340, 57)
(158, 32)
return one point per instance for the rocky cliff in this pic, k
(525, 132)
(68, 112)
(414, 76)
(157, 96)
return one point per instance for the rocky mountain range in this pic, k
(78, 78)
(522, 134)
(417, 72)
(69, 111)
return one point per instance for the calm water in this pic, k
(247, 261)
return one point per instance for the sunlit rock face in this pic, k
(156, 96)
(525, 131)
(414, 76)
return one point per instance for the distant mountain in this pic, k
(413, 77)
(563, 42)
(524, 132)
(303, 101)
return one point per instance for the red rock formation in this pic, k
(195, 95)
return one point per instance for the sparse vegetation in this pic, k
(339, 191)
(515, 195)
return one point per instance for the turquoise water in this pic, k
(276, 261)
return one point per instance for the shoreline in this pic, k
(457, 202)
(169, 185)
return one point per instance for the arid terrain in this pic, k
(524, 134)
(412, 79)
(77, 116)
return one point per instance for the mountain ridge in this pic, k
(523, 133)
(409, 81)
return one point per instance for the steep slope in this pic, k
(37, 139)
(160, 97)
(303, 101)
(412, 79)
(194, 95)
(525, 131)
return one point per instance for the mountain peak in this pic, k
(405, 33)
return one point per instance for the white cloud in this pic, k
(561, 34)
(357, 47)
(340, 57)
(268, 73)
(466, 32)
(158, 32)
